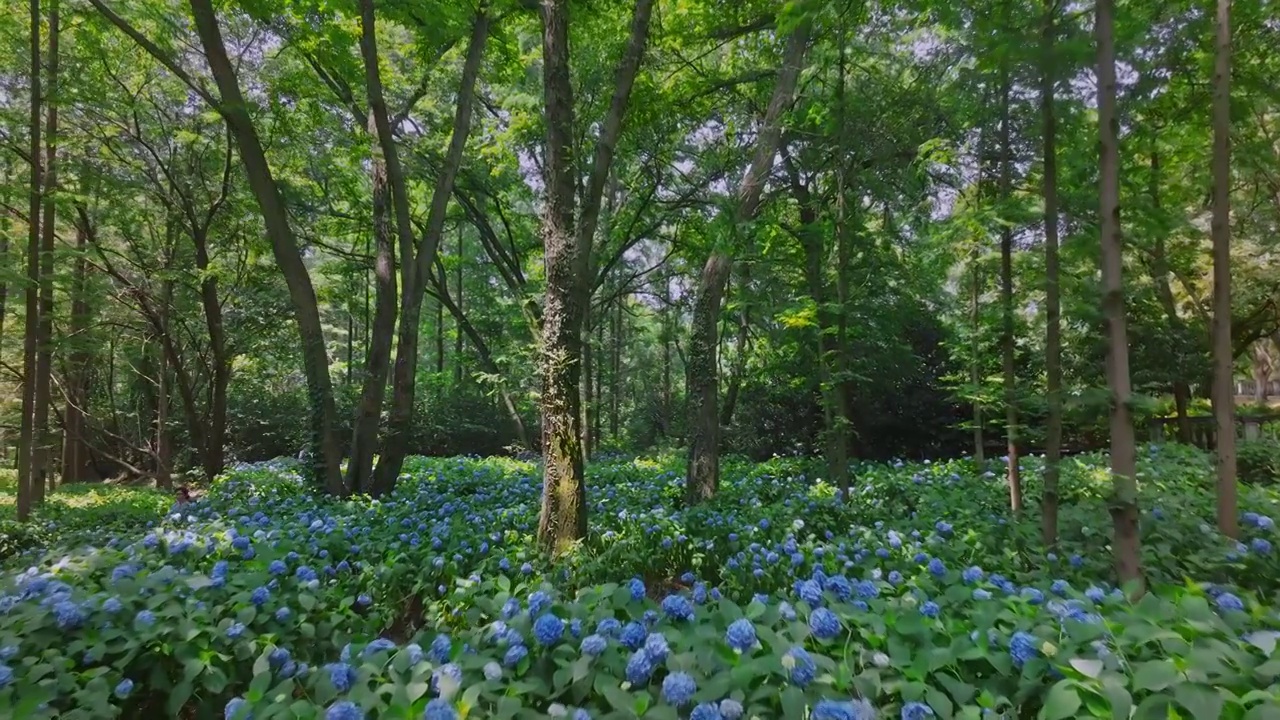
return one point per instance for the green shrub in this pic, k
(1258, 461)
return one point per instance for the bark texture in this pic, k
(1224, 410)
(1124, 498)
(566, 261)
(32, 294)
(702, 377)
(1053, 302)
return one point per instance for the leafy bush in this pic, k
(918, 597)
(1258, 461)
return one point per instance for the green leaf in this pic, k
(1090, 668)
(1204, 703)
(1062, 701)
(793, 702)
(1154, 675)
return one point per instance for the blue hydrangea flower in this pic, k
(609, 627)
(1095, 594)
(145, 618)
(824, 624)
(730, 709)
(1022, 647)
(930, 609)
(916, 711)
(842, 710)
(655, 645)
(981, 594)
(741, 635)
(594, 645)
(235, 630)
(277, 567)
(548, 629)
(633, 636)
(1060, 587)
(677, 607)
(439, 709)
(1032, 595)
(972, 574)
(342, 675)
(937, 568)
(800, 666)
(260, 596)
(639, 668)
(810, 592)
(344, 710)
(787, 612)
(706, 711)
(539, 601)
(124, 688)
(6, 676)
(678, 689)
(514, 655)
(1229, 603)
(440, 649)
(510, 608)
(377, 646)
(237, 709)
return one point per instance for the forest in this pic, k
(824, 359)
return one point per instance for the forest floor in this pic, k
(920, 596)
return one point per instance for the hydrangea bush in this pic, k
(920, 597)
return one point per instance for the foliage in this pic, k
(266, 597)
(1258, 461)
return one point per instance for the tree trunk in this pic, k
(702, 378)
(75, 452)
(596, 417)
(6, 227)
(975, 349)
(42, 455)
(1053, 303)
(220, 370)
(664, 412)
(439, 338)
(164, 450)
(1160, 275)
(842, 384)
(1006, 296)
(738, 369)
(326, 453)
(615, 369)
(364, 436)
(567, 263)
(1224, 410)
(404, 376)
(563, 519)
(459, 371)
(589, 362)
(1124, 500)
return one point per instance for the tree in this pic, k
(1053, 304)
(30, 337)
(566, 260)
(1224, 410)
(702, 376)
(1124, 500)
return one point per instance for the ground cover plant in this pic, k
(921, 597)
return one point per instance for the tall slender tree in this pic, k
(1053, 303)
(1224, 410)
(703, 384)
(26, 437)
(1124, 500)
(566, 262)
(1013, 470)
